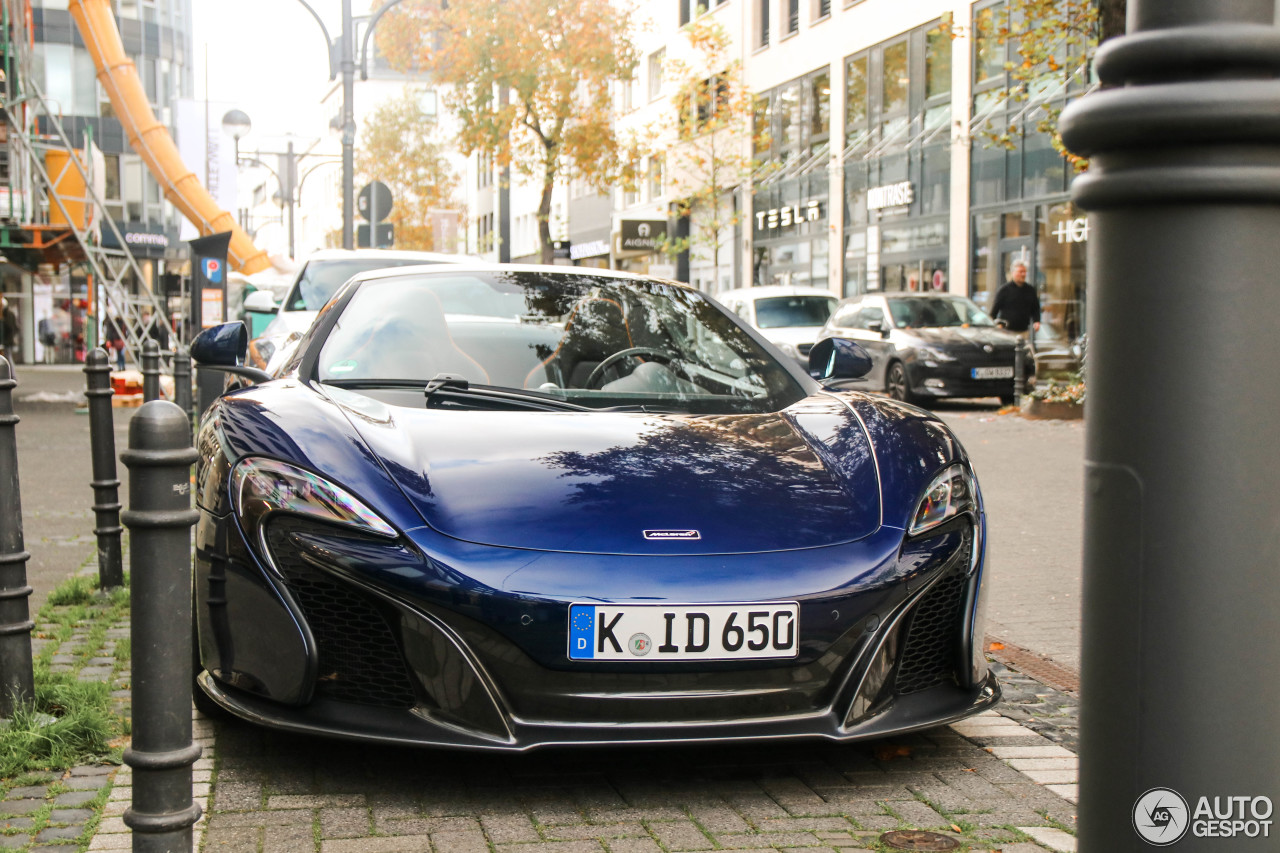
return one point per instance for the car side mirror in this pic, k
(878, 327)
(261, 302)
(838, 358)
(223, 348)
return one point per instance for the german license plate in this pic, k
(643, 632)
(992, 373)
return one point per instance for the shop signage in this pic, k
(782, 217)
(1072, 230)
(148, 240)
(144, 238)
(561, 248)
(589, 249)
(891, 195)
(642, 234)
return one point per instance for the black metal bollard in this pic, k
(150, 371)
(106, 484)
(1180, 670)
(159, 519)
(1019, 371)
(182, 380)
(16, 678)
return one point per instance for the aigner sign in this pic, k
(642, 235)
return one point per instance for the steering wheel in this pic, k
(632, 352)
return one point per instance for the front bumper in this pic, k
(317, 645)
(956, 380)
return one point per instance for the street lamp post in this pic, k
(236, 123)
(348, 128)
(346, 65)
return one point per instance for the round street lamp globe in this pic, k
(236, 124)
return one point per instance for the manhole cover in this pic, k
(915, 839)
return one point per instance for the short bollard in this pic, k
(159, 519)
(150, 371)
(106, 485)
(182, 380)
(16, 678)
(1019, 371)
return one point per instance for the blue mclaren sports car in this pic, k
(512, 507)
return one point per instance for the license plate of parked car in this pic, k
(992, 373)
(683, 632)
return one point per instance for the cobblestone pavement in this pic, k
(279, 793)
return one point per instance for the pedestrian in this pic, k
(153, 330)
(114, 339)
(1017, 303)
(9, 330)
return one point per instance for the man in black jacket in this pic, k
(1017, 302)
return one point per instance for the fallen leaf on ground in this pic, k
(889, 751)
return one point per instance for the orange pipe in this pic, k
(151, 139)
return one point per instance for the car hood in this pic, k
(595, 482)
(964, 337)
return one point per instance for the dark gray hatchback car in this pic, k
(926, 346)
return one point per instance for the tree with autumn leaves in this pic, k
(399, 146)
(707, 138)
(1046, 48)
(529, 81)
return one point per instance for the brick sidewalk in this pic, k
(282, 794)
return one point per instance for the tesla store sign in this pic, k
(782, 217)
(1072, 230)
(891, 195)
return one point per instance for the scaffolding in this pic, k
(55, 211)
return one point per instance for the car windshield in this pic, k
(778, 312)
(934, 311)
(588, 340)
(321, 279)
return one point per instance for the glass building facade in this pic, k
(897, 163)
(791, 199)
(1020, 207)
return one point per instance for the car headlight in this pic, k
(951, 493)
(932, 356)
(261, 487)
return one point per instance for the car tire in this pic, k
(896, 383)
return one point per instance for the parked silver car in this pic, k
(317, 280)
(927, 346)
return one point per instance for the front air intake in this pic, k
(359, 659)
(929, 657)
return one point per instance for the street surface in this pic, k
(1032, 479)
(55, 471)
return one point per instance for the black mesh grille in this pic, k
(929, 654)
(360, 660)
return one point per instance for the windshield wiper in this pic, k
(446, 385)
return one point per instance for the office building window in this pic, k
(762, 22)
(793, 17)
(656, 59)
(656, 168)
